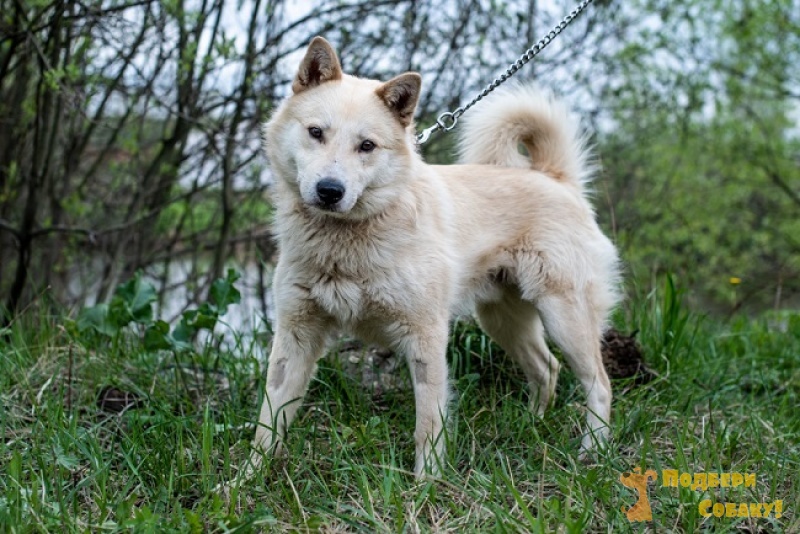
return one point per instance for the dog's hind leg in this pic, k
(426, 351)
(573, 323)
(515, 325)
(295, 350)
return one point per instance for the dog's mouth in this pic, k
(333, 210)
(329, 208)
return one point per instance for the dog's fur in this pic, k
(508, 236)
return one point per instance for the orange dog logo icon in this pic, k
(641, 510)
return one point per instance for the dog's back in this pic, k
(527, 215)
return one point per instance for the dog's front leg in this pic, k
(426, 351)
(297, 346)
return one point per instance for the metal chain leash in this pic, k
(448, 120)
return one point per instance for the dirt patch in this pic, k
(623, 357)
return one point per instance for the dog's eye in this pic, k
(367, 146)
(315, 132)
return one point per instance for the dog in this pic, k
(375, 242)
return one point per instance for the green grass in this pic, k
(727, 399)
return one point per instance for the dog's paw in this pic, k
(429, 466)
(224, 490)
(248, 472)
(593, 446)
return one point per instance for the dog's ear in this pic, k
(319, 66)
(401, 94)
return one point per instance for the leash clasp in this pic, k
(425, 134)
(444, 122)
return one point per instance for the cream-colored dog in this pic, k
(376, 242)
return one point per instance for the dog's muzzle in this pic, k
(330, 192)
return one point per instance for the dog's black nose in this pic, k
(330, 191)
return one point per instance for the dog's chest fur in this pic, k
(352, 272)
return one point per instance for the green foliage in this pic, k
(199, 215)
(132, 304)
(702, 159)
(665, 324)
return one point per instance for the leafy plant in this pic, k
(132, 305)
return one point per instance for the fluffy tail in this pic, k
(493, 130)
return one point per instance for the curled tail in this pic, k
(493, 130)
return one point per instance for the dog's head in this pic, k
(341, 143)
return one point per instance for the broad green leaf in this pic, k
(156, 337)
(223, 292)
(137, 296)
(96, 318)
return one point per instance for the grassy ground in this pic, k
(726, 399)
